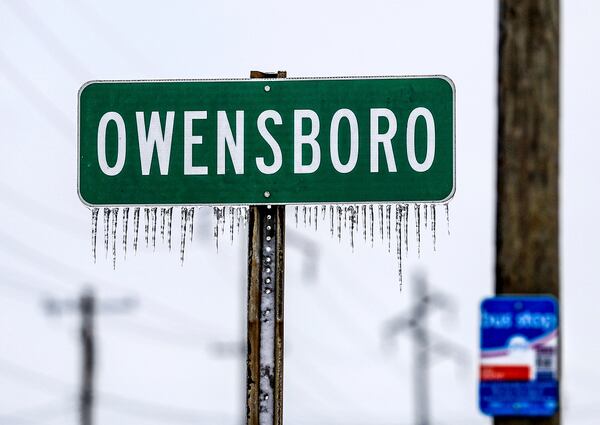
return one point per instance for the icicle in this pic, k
(238, 218)
(146, 225)
(433, 224)
(364, 222)
(357, 218)
(304, 214)
(388, 222)
(418, 228)
(405, 210)
(183, 233)
(232, 223)
(169, 226)
(236, 215)
(154, 219)
(399, 214)
(94, 231)
(216, 214)
(125, 224)
(371, 224)
(162, 223)
(381, 221)
(345, 216)
(351, 214)
(331, 219)
(106, 225)
(316, 217)
(296, 214)
(115, 219)
(447, 208)
(309, 216)
(425, 214)
(191, 221)
(339, 223)
(136, 228)
(223, 219)
(323, 212)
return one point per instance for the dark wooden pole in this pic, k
(266, 251)
(88, 306)
(527, 248)
(421, 348)
(87, 309)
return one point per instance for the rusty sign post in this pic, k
(266, 252)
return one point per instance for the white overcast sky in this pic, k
(155, 363)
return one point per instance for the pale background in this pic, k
(155, 363)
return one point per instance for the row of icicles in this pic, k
(343, 220)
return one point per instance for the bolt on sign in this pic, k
(267, 141)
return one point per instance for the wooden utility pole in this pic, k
(87, 306)
(527, 256)
(266, 247)
(425, 345)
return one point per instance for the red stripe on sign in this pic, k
(504, 373)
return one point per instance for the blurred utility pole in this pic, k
(87, 307)
(527, 257)
(423, 344)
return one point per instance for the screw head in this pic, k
(267, 194)
(267, 88)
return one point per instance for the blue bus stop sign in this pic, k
(519, 356)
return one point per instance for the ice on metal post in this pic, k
(94, 231)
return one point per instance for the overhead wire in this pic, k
(46, 37)
(190, 341)
(39, 413)
(27, 289)
(38, 211)
(143, 330)
(48, 383)
(24, 281)
(59, 268)
(110, 34)
(38, 99)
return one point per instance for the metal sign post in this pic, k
(266, 249)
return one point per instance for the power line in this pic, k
(47, 383)
(37, 257)
(144, 330)
(61, 269)
(162, 413)
(35, 379)
(37, 211)
(111, 37)
(45, 35)
(309, 370)
(39, 413)
(61, 412)
(26, 282)
(27, 289)
(147, 330)
(37, 98)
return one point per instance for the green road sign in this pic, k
(279, 141)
